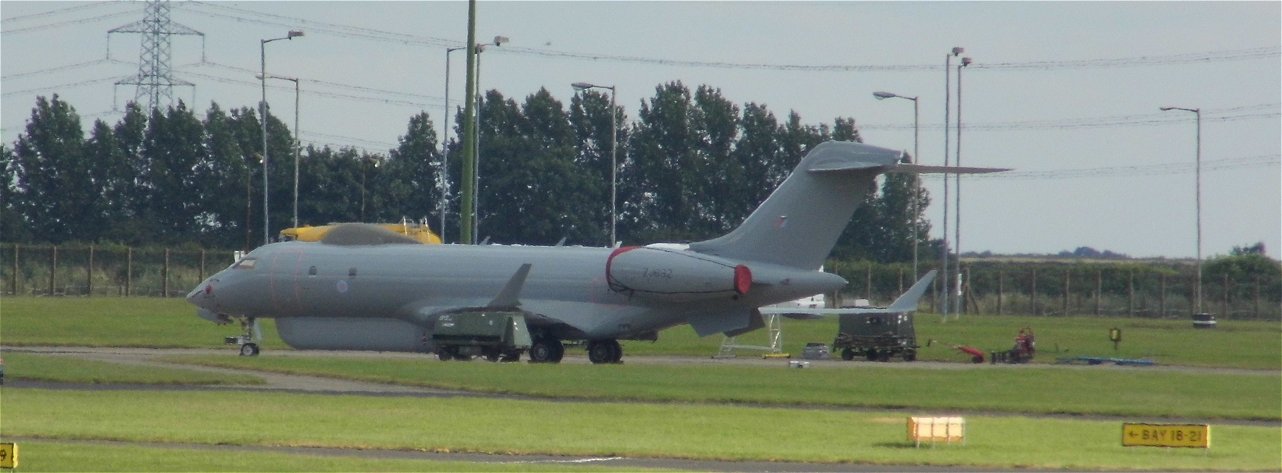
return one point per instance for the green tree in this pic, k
(664, 168)
(412, 174)
(54, 186)
(12, 226)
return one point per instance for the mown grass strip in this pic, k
(115, 322)
(38, 456)
(156, 322)
(1015, 389)
(606, 429)
(62, 369)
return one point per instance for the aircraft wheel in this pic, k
(558, 350)
(546, 350)
(910, 355)
(848, 354)
(871, 354)
(617, 356)
(605, 351)
(249, 349)
(444, 355)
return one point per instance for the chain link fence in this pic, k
(44, 270)
(1154, 289)
(1132, 289)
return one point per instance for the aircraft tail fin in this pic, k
(798, 225)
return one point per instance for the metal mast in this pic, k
(155, 80)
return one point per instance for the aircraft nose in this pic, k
(201, 294)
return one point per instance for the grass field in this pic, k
(682, 411)
(40, 456)
(1027, 389)
(71, 370)
(154, 322)
(626, 429)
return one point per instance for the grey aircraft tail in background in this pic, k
(365, 288)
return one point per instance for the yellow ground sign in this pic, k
(1166, 435)
(8, 455)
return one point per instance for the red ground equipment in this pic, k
(1023, 351)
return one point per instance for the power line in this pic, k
(1250, 112)
(332, 28)
(59, 11)
(1096, 63)
(68, 67)
(1158, 169)
(62, 86)
(61, 24)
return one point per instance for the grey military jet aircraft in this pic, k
(363, 288)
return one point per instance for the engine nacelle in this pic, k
(675, 275)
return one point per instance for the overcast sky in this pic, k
(1068, 94)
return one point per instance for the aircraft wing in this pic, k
(907, 302)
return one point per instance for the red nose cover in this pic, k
(742, 279)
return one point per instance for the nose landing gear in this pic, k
(247, 340)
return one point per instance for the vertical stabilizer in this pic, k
(799, 223)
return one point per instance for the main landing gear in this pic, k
(605, 351)
(546, 350)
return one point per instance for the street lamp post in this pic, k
(614, 162)
(445, 131)
(916, 179)
(297, 144)
(1198, 193)
(262, 112)
(961, 301)
(948, 62)
(476, 141)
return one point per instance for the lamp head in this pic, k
(499, 40)
(582, 86)
(957, 50)
(884, 95)
(294, 33)
(965, 61)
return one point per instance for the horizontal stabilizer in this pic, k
(908, 301)
(925, 169)
(904, 304)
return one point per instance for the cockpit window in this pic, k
(245, 263)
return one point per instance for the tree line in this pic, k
(692, 165)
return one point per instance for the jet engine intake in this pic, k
(674, 275)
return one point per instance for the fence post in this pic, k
(129, 270)
(53, 268)
(1064, 303)
(89, 275)
(1034, 298)
(868, 281)
(202, 264)
(1224, 309)
(1099, 290)
(1162, 296)
(14, 281)
(1130, 298)
(1001, 289)
(164, 276)
(1256, 311)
